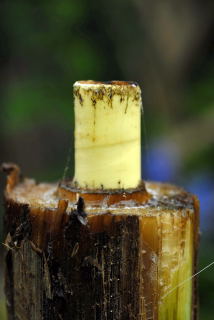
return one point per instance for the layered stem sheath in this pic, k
(105, 246)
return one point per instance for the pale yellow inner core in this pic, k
(107, 139)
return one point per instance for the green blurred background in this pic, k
(164, 45)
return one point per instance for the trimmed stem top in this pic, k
(107, 134)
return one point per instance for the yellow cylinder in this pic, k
(107, 134)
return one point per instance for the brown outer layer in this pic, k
(64, 265)
(110, 197)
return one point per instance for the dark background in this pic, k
(164, 45)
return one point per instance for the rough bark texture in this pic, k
(108, 263)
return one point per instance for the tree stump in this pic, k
(88, 258)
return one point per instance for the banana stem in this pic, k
(107, 135)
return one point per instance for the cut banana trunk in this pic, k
(104, 246)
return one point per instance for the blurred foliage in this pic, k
(166, 46)
(2, 310)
